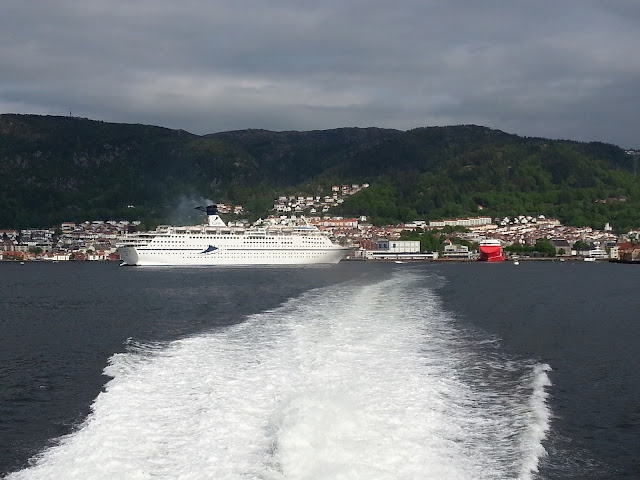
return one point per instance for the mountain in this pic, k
(55, 169)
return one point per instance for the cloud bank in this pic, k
(558, 69)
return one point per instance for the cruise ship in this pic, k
(214, 243)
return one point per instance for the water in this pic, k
(360, 370)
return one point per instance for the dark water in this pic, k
(349, 369)
(585, 323)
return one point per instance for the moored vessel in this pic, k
(214, 243)
(491, 251)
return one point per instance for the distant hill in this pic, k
(55, 169)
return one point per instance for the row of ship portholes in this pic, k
(263, 242)
(199, 255)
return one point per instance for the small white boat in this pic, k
(589, 259)
(399, 261)
(516, 262)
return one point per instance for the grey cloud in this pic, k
(559, 69)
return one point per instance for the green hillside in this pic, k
(55, 169)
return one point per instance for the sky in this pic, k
(567, 69)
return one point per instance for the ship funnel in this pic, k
(209, 209)
(212, 215)
(212, 210)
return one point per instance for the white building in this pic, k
(452, 250)
(461, 222)
(398, 246)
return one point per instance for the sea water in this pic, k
(369, 375)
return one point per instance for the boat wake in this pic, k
(356, 381)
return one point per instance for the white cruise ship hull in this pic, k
(147, 256)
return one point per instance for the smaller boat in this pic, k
(491, 251)
(516, 262)
(589, 259)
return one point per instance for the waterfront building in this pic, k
(452, 250)
(398, 246)
(561, 245)
(629, 252)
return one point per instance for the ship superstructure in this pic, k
(214, 243)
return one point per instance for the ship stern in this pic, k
(128, 255)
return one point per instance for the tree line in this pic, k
(55, 169)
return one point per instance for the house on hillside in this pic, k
(7, 245)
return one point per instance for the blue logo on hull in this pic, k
(210, 249)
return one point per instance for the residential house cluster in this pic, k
(83, 241)
(316, 204)
(230, 209)
(96, 240)
(526, 230)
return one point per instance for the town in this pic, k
(96, 240)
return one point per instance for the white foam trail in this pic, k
(350, 382)
(538, 423)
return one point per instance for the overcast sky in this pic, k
(553, 68)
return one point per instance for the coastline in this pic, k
(399, 258)
(467, 260)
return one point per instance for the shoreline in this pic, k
(467, 260)
(397, 259)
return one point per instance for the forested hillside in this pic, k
(55, 169)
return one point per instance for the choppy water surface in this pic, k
(352, 371)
